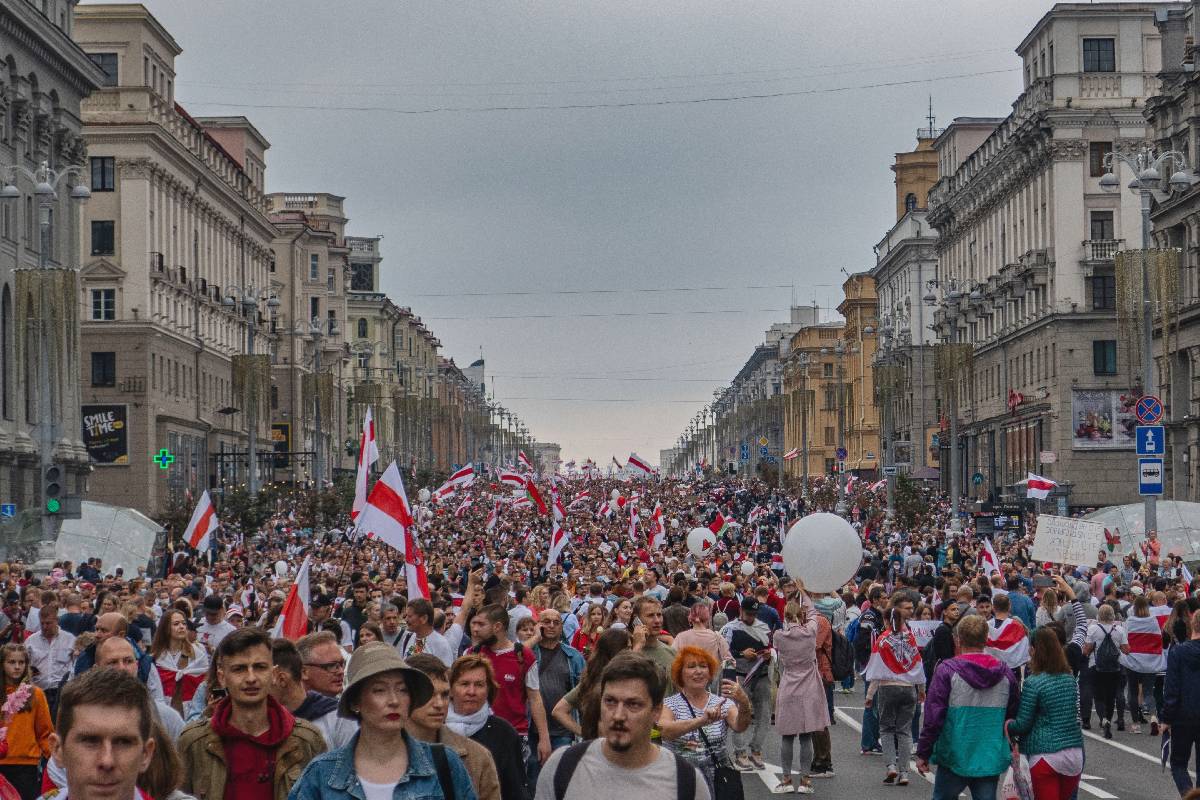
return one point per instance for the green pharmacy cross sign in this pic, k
(164, 459)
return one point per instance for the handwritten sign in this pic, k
(1065, 540)
(923, 630)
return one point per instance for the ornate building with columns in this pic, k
(1025, 272)
(43, 79)
(177, 223)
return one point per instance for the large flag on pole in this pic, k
(658, 530)
(636, 465)
(987, 559)
(463, 477)
(368, 454)
(493, 517)
(535, 496)
(511, 478)
(293, 620)
(523, 460)
(1038, 487)
(558, 537)
(718, 524)
(202, 524)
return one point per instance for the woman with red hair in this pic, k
(694, 721)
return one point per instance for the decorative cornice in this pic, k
(74, 68)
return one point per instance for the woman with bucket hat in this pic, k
(383, 762)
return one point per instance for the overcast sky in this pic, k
(611, 223)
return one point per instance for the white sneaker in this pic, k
(783, 788)
(803, 788)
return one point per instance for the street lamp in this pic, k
(46, 183)
(1148, 169)
(317, 329)
(245, 301)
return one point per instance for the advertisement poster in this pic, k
(281, 443)
(1101, 420)
(106, 433)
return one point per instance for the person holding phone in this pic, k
(801, 709)
(694, 721)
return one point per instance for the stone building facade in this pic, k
(177, 222)
(43, 80)
(1025, 248)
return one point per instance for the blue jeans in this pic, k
(949, 785)
(1183, 739)
(870, 726)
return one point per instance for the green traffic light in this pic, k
(53, 505)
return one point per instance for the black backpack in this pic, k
(685, 773)
(841, 659)
(1108, 656)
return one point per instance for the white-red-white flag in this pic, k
(633, 522)
(511, 478)
(293, 620)
(443, 492)
(1038, 487)
(368, 454)
(202, 524)
(387, 513)
(658, 529)
(523, 460)
(792, 454)
(558, 537)
(493, 517)
(463, 477)
(414, 566)
(987, 559)
(637, 466)
(461, 511)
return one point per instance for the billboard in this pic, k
(1101, 419)
(106, 433)
(281, 443)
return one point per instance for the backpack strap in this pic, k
(442, 765)
(566, 768)
(685, 778)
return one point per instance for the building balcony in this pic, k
(1101, 251)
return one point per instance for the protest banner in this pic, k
(1065, 540)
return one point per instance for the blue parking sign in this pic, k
(1151, 440)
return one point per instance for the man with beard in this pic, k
(624, 760)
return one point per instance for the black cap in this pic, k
(321, 601)
(213, 603)
(751, 605)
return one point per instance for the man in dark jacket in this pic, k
(472, 689)
(870, 623)
(113, 624)
(1181, 705)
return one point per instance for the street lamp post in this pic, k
(1148, 170)
(249, 299)
(46, 182)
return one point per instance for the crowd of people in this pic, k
(617, 667)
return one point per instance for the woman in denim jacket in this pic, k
(382, 762)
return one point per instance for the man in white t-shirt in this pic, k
(421, 636)
(215, 627)
(624, 760)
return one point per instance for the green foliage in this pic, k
(911, 506)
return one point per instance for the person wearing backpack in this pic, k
(1106, 641)
(865, 628)
(623, 762)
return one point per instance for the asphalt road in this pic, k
(1126, 767)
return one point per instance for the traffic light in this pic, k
(52, 489)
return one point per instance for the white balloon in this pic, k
(700, 541)
(747, 568)
(674, 523)
(822, 550)
(615, 494)
(423, 496)
(426, 515)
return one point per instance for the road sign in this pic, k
(1149, 410)
(1047, 457)
(763, 441)
(977, 479)
(8, 510)
(770, 460)
(1150, 476)
(1151, 440)
(745, 452)
(891, 470)
(764, 451)
(841, 454)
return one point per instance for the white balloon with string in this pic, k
(700, 541)
(823, 550)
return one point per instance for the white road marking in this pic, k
(1133, 751)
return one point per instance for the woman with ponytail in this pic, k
(897, 685)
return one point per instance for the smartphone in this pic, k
(729, 672)
(1042, 581)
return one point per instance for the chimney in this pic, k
(1173, 26)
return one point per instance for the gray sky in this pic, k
(774, 192)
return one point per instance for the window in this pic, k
(1099, 55)
(274, 397)
(827, 370)
(331, 281)
(1104, 357)
(910, 202)
(102, 237)
(104, 369)
(830, 438)
(1096, 153)
(107, 62)
(104, 305)
(103, 177)
(362, 277)
(1104, 292)
(314, 308)
(830, 398)
(1102, 225)
(314, 267)
(362, 328)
